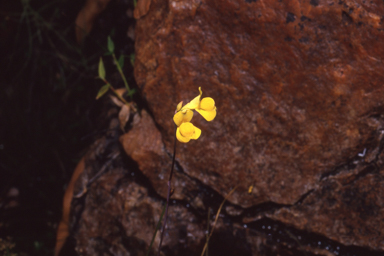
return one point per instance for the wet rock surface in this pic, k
(289, 109)
(115, 211)
(298, 87)
(143, 141)
(299, 91)
(120, 220)
(347, 207)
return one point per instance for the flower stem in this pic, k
(122, 75)
(168, 196)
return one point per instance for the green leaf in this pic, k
(131, 92)
(121, 61)
(111, 45)
(132, 59)
(103, 90)
(101, 69)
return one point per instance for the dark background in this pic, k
(48, 111)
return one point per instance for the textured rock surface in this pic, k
(115, 211)
(144, 145)
(121, 220)
(346, 208)
(296, 87)
(299, 89)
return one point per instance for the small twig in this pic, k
(297, 241)
(120, 97)
(115, 92)
(168, 196)
(208, 218)
(217, 217)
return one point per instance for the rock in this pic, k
(295, 99)
(144, 145)
(121, 220)
(347, 208)
(299, 91)
(115, 211)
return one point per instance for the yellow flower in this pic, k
(183, 116)
(187, 131)
(206, 107)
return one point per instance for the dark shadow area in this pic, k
(48, 111)
(285, 240)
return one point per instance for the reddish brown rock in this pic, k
(347, 207)
(114, 209)
(299, 91)
(144, 145)
(121, 220)
(296, 86)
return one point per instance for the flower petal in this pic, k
(178, 107)
(208, 115)
(195, 103)
(186, 132)
(183, 116)
(188, 115)
(207, 104)
(180, 137)
(196, 134)
(187, 129)
(178, 118)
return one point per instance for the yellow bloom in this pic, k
(183, 116)
(206, 107)
(187, 131)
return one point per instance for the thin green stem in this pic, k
(157, 228)
(122, 75)
(168, 196)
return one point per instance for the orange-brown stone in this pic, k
(298, 88)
